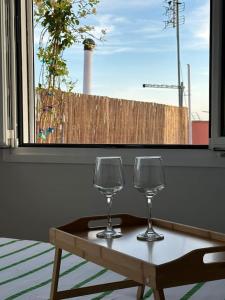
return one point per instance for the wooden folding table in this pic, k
(186, 255)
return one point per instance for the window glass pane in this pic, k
(93, 58)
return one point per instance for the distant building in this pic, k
(200, 132)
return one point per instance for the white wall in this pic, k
(37, 196)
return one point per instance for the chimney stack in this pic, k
(89, 46)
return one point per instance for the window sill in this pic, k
(171, 157)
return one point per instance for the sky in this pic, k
(137, 50)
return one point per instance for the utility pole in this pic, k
(178, 53)
(189, 103)
(173, 9)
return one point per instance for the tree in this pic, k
(61, 27)
(62, 24)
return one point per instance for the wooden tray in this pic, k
(186, 255)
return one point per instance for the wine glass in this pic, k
(149, 179)
(108, 179)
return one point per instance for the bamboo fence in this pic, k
(85, 119)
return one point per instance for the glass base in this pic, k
(150, 236)
(109, 234)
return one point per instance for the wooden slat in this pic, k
(96, 289)
(158, 295)
(203, 233)
(103, 120)
(55, 275)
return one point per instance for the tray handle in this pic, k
(196, 258)
(191, 268)
(202, 253)
(83, 223)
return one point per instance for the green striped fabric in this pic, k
(26, 270)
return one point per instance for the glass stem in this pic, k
(109, 202)
(149, 199)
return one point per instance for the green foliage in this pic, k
(61, 27)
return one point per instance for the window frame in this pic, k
(29, 152)
(3, 79)
(217, 74)
(8, 75)
(28, 144)
(25, 71)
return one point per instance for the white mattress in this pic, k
(26, 269)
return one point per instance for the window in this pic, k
(9, 52)
(121, 112)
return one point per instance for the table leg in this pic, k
(55, 275)
(158, 295)
(140, 292)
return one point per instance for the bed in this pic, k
(26, 269)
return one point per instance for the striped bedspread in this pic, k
(26, 269)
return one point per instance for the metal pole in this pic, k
(189, 103)
(180, 96)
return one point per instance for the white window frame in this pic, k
(84, 155)
(26, 69)
(3, 79)
(217, 141)
(10, 26)
(8, 122)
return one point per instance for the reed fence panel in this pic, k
(85, 119)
